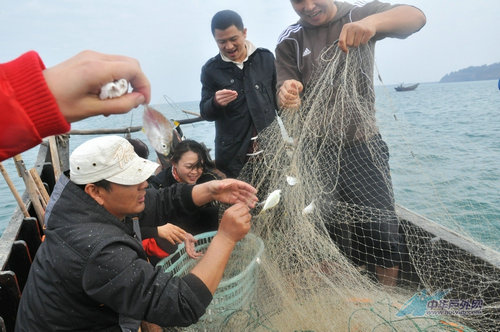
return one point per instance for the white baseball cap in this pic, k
(109, 158)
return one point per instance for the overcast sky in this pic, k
(172, 39)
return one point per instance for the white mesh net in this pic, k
(335, 237)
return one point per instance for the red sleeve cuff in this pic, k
(31, 91)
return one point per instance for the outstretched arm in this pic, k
(36, 102)
(234, 225)
(399, 21)
(230, 191)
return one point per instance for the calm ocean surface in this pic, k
(444, 141)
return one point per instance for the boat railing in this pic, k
(19, 243)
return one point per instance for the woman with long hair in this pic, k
(190, 164)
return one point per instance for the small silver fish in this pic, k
(309, 209)
(114, 89)
(160, 132)
(272, 200)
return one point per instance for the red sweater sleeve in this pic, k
(28, 110)
(153, 249)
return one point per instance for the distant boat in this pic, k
(402, 87)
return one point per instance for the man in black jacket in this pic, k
(238, 92)
(91, 272)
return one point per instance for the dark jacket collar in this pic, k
(75, 206)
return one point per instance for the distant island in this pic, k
(479, 73)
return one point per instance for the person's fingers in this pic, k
(351, 38)
(175, 238)
(246, 187)
(228, 92)
(110, 68)
(288, 100)
(249, 199)
(289, 94)
(92, 105)
(296, 87)
(244, 193)
(235, 222)
(239, 211)
(190, 246)
(225, 93)
(137, 79)
(300, 86)
(224, 97)
(226, 100)
(342, 44)
(170, 239)
(178, 233)
(232, 191)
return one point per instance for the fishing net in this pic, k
(336, 230)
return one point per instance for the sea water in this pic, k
(444, 142)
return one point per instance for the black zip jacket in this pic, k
(200, 220)
(249, 114)
(91, 269)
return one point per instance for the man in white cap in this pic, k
(91, 270)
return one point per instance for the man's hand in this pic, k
(235, 223)
(355, 34)
(224, 97)
(289, 94)
(172, 233)
(398, 21)
(76, 83)
(232, 191)
(189, 243)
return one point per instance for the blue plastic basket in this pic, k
(236, 289)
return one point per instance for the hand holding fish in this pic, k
(224, 97)
(230, 191)
(76, 84)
